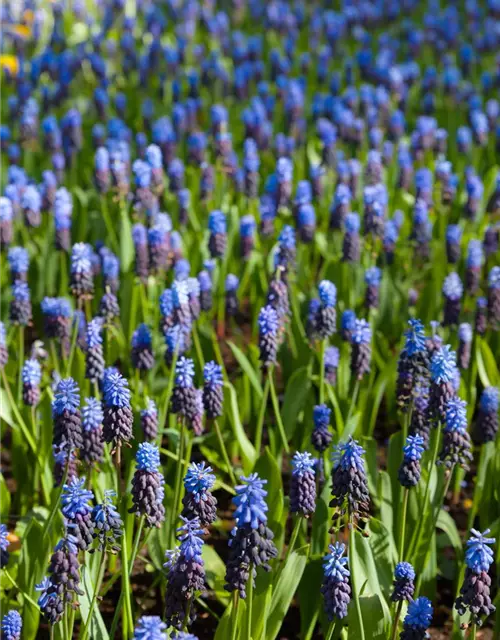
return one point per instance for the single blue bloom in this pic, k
(251, 507)
(478, 556)
(327, 293)
(489, 400)
(348, 455)
(419, 614)
(414, 338)
(148, 457)
(142, 338)
(184, 372)
(93, 332)
(212, 373)
(66, 397)
(335, 563)
(75, 499)
(465, 332)
(32, 373)
(231, 283)
(414, 448)
(348, 320)
(92, 414)
(362, 332)
(494, 278)
(456, 415)
(321, 416)
(475, 254)
(115, 390)
(373, 276)
(404, 571)
(198, 480)
(268, 320)
(19, 260)
(302, 463)
(217, 222)
(443, 365)
(332, 357)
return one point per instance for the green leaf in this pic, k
(297, 390)
(284, 591)
(489, 363)
(247, 368)
(384, 552)
(98, 629)
(126, 242)
(215, 571)
(339, 420)
(446, 523)
(372, 612)
(386, 502)
(4, 498)
(321, 521)
(307, 594)
(246, 447)
(481, 367)
(225, 626)
(5, 410)
(268, 469)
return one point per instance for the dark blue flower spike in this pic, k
(148, 486)
(198, 500)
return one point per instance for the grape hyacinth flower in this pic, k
(31, 204)
(373, 276)
(66, 415)
(312, 319)
(6, 216)
(351, 247)
(442, 369)
(102, 173)
(198, 501)
(206, 286)
(19, 263)
(150, 628)
(494, 297)
(409, 471)
(306, 222)
(110, 270)
(331, 364)
(31, 377)
(185, 574)
(118, 417)
(94, 356)
(481, 317)
(76, 509)
(321, 436)
(347, 325)
(149, 421)
(278, 298)
(109, 309)
(452, 292)
(303, 485)
(361, 352)
(487, 416)
(142, 348)
(339, 210)
(213, 392)
(412, 363)
(457, 445)
(108, 525)
(335, 588)
(231, 287)
(475, 591)
(93, 445)
(12, 625)
(217, 226)
(464, 345)
(327, 314)
(287, 250)
(193, 289)
(268, 336)
(140, 239)
(417, 620)
(184, 395)
(453, 238)
(248, 228)
(391, 235)
(20, 311)
(251, 544)
(420, 422)
(147, 486)
(64, 582)
(404, 587)
(4, 545)
(81, 276)
(349, 482)
(184, 204)
(159, 247)
(64, 460)
(4, 352)
(473, 266)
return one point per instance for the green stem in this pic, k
(58, 498)
(437, 510)
(234, 615)
(353, 581)
(164, 413)
(53, 353)
(109, 225)
(71, 622)
(293, 539)
(262, 413)
(396, 621)
(97, 588)
(174, 456)
(177, 486)
(21, 361)
(188, 612)
(418, 530)
(331, 630)
(274, 399)
(472, 633)
(250, 602)
(224, 453)
(14, 584)
(402, 525)
(322, 372)
(354, 400)
(197, 345)
(73, 345)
